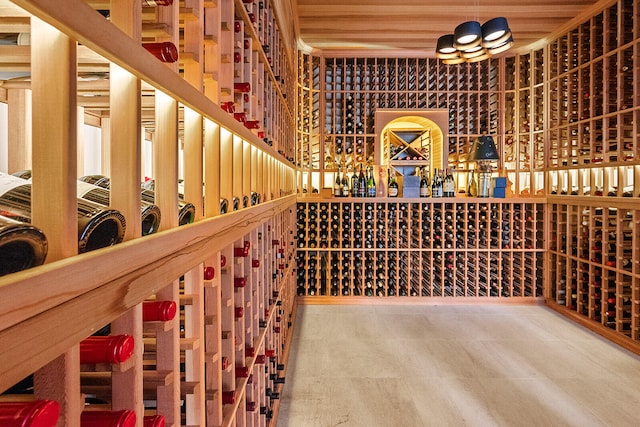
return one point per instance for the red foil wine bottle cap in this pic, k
(125, 418)
(252, 124)
(242, 371)
(39, 413)
(255, 263)
(242, 87)
(239, 282)
(158, 311)
(229, 397)
(241, 117)
(228, 106)
(209, 273)
(239, 312)
(153, 421)
(223, 260)
(109, 349)
(164, 51)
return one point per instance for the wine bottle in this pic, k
(449, 184)
(106, 349)
(436, 184)
(186, 210)
(371, 184)
(22, 246)
(15, 39)
(150, 213)
(393, 184)
(98, 227)
(164, 51)
(362, 184)
(355, 184)
(425, 186)
(337, 185)
(345, 185)
(124, 418)
(41, 413)
(472, 186)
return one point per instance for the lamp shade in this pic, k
(494, 28)
(445, 44)
(484, 149)
(467, 35)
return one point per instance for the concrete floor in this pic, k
(409, 366)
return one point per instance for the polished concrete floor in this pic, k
(409, 366)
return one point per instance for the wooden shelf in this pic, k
(453, 247)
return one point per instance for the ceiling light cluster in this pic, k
(472, 42)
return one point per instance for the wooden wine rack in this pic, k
(342, 94)
(593, 170)
(436, 248)
(222, 332)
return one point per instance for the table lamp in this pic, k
(484, 152)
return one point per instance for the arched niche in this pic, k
(406, 139)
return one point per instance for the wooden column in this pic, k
(168, 360)
(124, 168)
(19, 129)
(53, 201)
(194, 354)
(165, 166)
(193, 44)
(165, 159)
(212, 169)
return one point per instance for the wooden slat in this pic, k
(416, 25)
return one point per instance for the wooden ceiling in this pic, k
(415, 25)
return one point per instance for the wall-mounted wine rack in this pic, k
(593, 172)
(221, 360)
(420, 248)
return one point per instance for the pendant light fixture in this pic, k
(472, 42)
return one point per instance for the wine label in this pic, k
(9, 182)
(84, 188)
(393, 191)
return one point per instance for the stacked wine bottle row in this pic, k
(256, 314)
(594, 104)
(385, 248)
(308, 120)
(231, 317)
(594, 264)
(523, 149)
(244, 66)
(355, 87)
(489, 97)
(261, 74)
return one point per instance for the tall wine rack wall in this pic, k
(420, 248)
(222, 116)
(593, 172)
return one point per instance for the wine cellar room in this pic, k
(310, 213)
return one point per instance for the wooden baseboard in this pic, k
(336, 300)
(616, 337)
